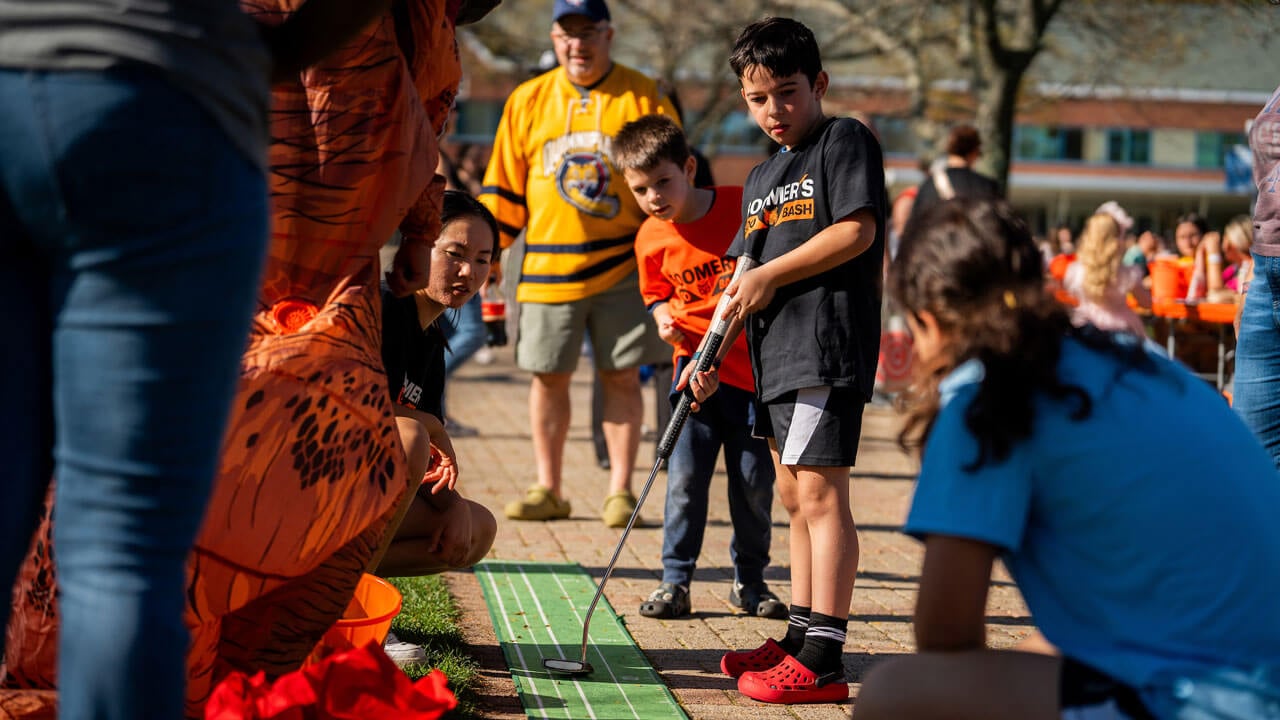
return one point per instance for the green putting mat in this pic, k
(537, 610)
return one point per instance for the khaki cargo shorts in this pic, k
(623, 335)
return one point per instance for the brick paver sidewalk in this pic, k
(498, 465)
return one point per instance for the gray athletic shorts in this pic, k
(549, 336)
(817, 426)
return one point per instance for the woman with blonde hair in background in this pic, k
(1237, 247)
(1101, 283)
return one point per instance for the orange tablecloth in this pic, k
(1169, 311)
(1066, 298)
(1223, 315)
(1219, 313)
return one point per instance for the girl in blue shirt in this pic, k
(1077, 458)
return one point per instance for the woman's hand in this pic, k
(443, 473)
(1211, 243)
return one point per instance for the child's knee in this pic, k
(819, 494)
(790, 502)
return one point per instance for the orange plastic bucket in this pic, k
(1168, 279)
(367, 618)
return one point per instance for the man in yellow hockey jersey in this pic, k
(551, 174)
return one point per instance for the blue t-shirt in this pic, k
(1143, 538)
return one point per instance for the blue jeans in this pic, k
(133, 233)
(464, 329)
(1226, 692)
(724, 420)
(1257, 382)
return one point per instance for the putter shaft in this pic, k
(703, 359)
(644, 492)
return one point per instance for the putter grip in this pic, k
(706, 356)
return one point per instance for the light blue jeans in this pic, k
(133, 233)
(1256, 394)
(1222, 694)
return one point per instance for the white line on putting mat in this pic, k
(604, 694)
(580, 616)
(546, 622)
(506, 618)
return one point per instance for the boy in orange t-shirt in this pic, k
(680, 251)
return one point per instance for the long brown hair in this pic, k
(974, 266)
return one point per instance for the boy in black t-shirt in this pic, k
(814, 216)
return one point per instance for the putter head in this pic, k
(565, 666)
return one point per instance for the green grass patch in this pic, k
(429, 618)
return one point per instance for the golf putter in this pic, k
(704, 357)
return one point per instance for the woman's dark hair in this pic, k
(782, 46)
(1194, 218)
(458, 203)
(974, 266)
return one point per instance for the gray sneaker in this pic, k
(403, 653)
(668, 601)
(757, 599)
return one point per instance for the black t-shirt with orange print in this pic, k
(823, 330)
(413, 356)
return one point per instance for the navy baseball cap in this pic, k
(594, 10)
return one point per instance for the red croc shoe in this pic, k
(764, 657)
(789, 683)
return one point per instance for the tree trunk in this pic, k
(997, 103)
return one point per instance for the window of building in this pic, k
(1212, 147)
(1132, 147)
(895, 133)
(1041, 142)
(477, 120)
(738, 132)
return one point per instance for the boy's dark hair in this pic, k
(460, 204)
(963, 141)
(644, 142)
(780, 45)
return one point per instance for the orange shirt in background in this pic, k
(683, 264)
(1058, 266)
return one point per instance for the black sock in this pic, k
(797, 624)
(823, 649)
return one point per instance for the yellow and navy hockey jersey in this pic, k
(553, 153)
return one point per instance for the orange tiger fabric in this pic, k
(312, 464)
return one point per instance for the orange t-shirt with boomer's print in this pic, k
(683, 264)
